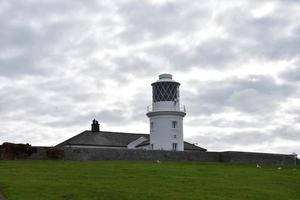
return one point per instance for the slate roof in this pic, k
(103, 138)
(192, 147)
(114, 139)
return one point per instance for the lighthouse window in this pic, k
(165, 91)
(174, 146)
(151, 126)
(174, 124)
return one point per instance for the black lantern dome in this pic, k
(165, 89)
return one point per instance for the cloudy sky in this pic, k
(63, 63)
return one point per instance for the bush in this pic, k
(55, 153)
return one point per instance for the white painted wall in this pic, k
(165, 106)
(162, 135)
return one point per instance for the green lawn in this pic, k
(88, 180)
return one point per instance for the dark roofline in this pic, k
(66, 141)
(94, 145)
(122, 132)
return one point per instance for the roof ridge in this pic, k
(125, 132)
(64, 142)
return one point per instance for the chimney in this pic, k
(95, 126)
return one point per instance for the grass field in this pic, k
(88, 180)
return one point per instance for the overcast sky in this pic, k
(63, 63)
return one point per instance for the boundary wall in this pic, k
(71, 153)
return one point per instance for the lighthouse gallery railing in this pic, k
(180, 108)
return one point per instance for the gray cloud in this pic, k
(34, 34)
(64, 63)
(259, 36)
(250, 139)
(257, 122)
(214, 53)
(104, 116)
(287, 133)
(253, 94)
(229, 141)
(147, 21)
(292, 75)
(137, 66)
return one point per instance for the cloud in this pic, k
(232, 141)
(135, 65)
(251, 100)
(146, 20)
(64, 63)
(32, 42)
(292, 75)
(287, 133)
(213, 53)
(259, 36)
(252, 94)
(281, 138)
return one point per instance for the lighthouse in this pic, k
(166, 115)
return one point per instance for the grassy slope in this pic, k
(146, 180)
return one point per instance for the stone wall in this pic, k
(260, 158)
(140, 154)
(130, 154)
(41, 153)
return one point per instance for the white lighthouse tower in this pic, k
(166, 115)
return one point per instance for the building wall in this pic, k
(162, 135)
(129, 154)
